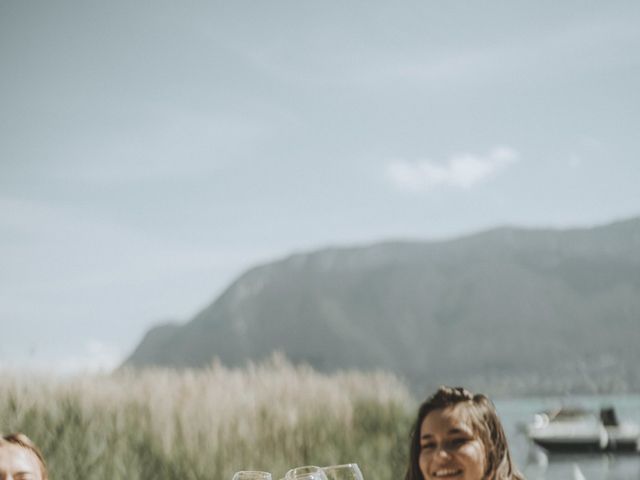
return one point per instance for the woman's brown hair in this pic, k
(23, 441)
(485, 423)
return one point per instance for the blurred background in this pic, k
(428, 192)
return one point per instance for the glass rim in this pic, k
(302, 471)
(259, 472)
(304, 468)
(329, 467)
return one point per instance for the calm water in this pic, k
(537, 465)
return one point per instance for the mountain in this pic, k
(509, 310)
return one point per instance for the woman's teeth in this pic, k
(446, 472)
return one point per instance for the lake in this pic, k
(538, 465)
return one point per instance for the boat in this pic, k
(574, 430)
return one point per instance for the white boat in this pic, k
(577, 430)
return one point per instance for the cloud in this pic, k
(575, 160)
(92, 357)
(460, 171)
(96, 357)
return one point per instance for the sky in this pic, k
(150, 152)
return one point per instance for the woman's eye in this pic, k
(428, 446)
(457, 442)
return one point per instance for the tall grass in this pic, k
(206, 424)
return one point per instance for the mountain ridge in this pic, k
(461, 310)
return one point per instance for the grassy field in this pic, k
(207, 424)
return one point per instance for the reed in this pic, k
(206, 424)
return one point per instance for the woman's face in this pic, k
(449, 448)
(18, 463)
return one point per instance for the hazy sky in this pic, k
(150, 151)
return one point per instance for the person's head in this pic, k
(458, 435)
(20, 459)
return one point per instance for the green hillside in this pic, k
(508, 310)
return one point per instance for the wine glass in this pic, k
(308, 472)
(348, 471)
(251, 475)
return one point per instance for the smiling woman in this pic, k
(20, 459)
(457, 435)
